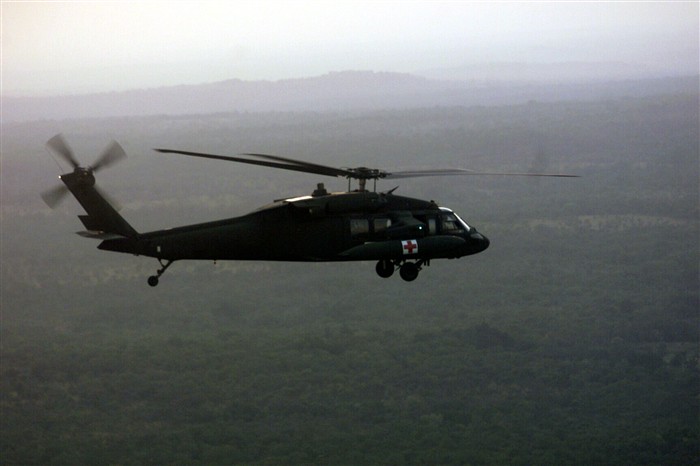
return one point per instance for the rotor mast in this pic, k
(362, 182)
(362, 174)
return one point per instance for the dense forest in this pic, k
(572, 340)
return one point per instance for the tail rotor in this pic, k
(60, 147)
(112, 154)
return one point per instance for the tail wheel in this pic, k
(164, 264)
(409, 271)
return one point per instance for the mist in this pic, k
(573, 339)
(59, 48)
(578, 324)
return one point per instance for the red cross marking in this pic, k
(410, 247)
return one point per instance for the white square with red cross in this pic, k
(409, 246)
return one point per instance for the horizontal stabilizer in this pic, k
(98, 234)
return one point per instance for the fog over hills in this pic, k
(572, 340)
(358, 90)
(571, 72)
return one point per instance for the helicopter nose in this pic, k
(479, 241)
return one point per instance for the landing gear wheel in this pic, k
(409, 271)
(385, 268)
(164, 264)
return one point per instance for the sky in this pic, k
(53, 48)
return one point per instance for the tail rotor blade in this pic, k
(112, 154)
(54, 196)
(60, 147)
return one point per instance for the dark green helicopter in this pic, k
(400, 233)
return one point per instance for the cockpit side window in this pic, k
(450, 223)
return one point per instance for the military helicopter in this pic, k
(399, 233)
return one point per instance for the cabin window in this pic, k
(359, 226)
(381, 224)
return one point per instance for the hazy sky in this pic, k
(59, 47)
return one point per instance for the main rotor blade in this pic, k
(299, 166)
(315, 166)
(112, 154)
(461, 172)
(54, 196)
(358, 173)
(438, 172)
(59, 146)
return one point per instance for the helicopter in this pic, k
(400, 233)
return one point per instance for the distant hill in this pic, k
(568, 72)
(338, 91)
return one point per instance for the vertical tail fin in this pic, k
(102, 218)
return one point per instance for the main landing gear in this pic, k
(153, 279)
(407, 270)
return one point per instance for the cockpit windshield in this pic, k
(466, 226)
(451, 222)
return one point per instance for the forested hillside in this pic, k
(572, 340)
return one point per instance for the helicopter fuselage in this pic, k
(359, 225)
